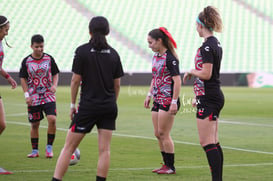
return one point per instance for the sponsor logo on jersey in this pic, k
(207, 48)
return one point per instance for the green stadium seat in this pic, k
(247, 38)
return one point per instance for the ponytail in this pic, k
(99, 42)
(166, 37)
(99, 28)
(210, 18)
(7, 43)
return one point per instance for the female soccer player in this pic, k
(165, 88)
(209, 97)
(39, 76)
(97, 66)
(4, 28)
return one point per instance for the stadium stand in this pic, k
(62, 27)
(247, 36)
(264, 6)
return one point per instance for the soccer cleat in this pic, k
(49, 152)
(166, 170)
(158, 169)
(33, 154)
(4, 172)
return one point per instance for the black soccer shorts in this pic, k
(35, 113)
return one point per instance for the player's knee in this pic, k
(104, 148)
(52, 123)
(104, 151)
(157, 135)
(51, 120)
(162, 135)
(35, 125)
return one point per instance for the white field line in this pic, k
(20, 105)
(220, 121)
(16, 114)
(151, 138)
(245, 124)
(195, 144)
(136, 169)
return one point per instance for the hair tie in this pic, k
(169, 36)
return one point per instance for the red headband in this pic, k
(169, 36)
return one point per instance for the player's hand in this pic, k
(187, 76)
(173, 109)
(193, 102)
(12, 82)
(72, 112)
(147, 102)
(53, 88)
(29, 101)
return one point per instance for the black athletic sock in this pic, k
(50, 139)
(214, 160)
(54, 179)
(221, 156)
(98, 178)
(34, 143)
(170, 160)
(163, 157)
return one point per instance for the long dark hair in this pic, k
(99, 28)
(3, 22)
(159, 34)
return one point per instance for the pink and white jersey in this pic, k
(1, 55)
(198, 87)
(39, 78)
(163, 68)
